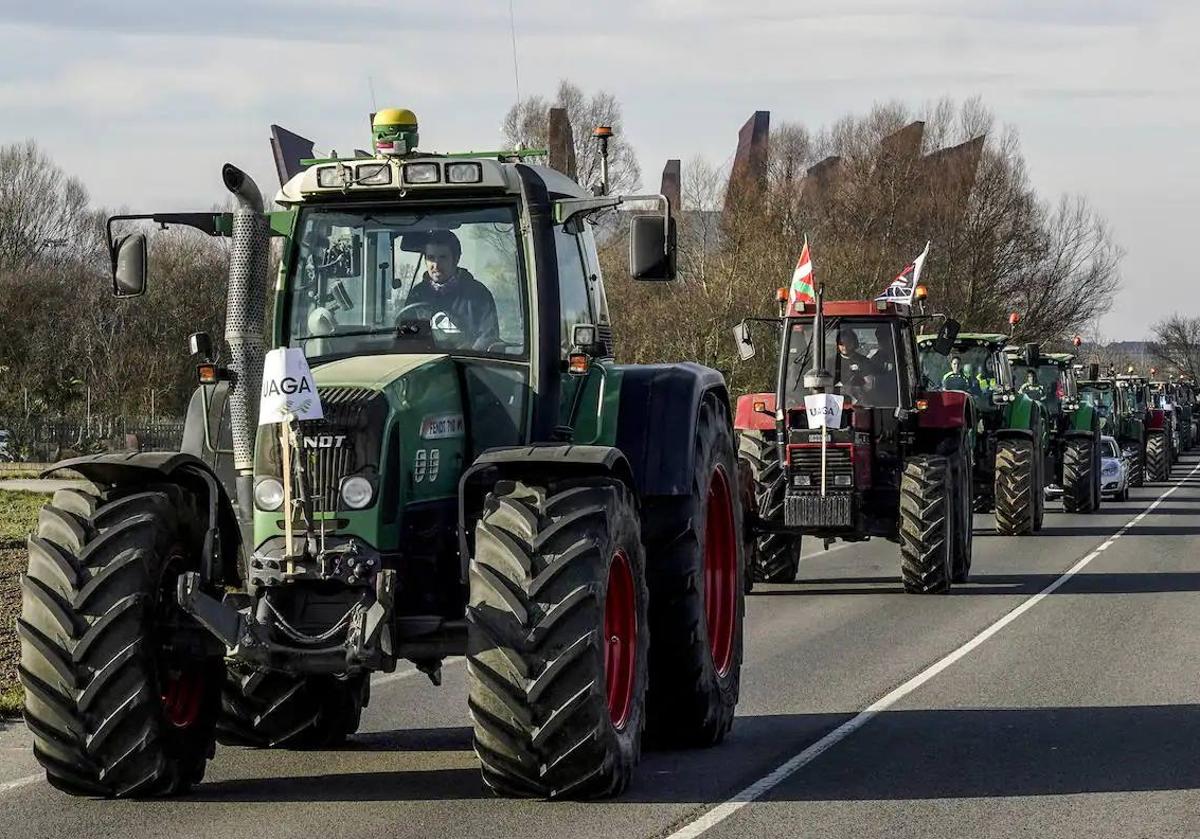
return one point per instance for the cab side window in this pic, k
(572, 285)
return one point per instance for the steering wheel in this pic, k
(409, 312)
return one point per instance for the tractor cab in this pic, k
(976, 364)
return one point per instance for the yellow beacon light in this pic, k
(394, 132)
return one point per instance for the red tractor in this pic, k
(896, 463)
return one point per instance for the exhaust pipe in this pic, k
(245, 312)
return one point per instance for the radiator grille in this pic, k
(805, 461)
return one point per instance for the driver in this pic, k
(448, 288)
(853, 367)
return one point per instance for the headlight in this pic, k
(268, 495)
(374, 174)
(421, 173)
(801, 481)
(357, 492)
(330, 177)
(841, 480)
(463, 173)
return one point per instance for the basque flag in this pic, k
(802, 290)
(902, 288)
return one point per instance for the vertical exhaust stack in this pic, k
(245, 312)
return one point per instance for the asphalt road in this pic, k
(1025, 703)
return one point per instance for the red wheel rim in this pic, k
(720, 572)
(620, 639)
(182, 695)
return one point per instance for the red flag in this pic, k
(802, 290)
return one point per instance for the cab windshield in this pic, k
(411, 281)
(861, 355)
(969, 369)
(1104, 400)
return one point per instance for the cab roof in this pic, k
(388, 179)
(992, 340)
(860, 308)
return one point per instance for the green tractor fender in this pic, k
(1021, 419)
(222, 536)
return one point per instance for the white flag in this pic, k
(823, 409)
(288, 388)
(905, 285)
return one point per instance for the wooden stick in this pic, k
(286, 456)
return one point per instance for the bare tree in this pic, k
(1176, 343)
(527, 124)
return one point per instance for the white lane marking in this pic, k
(797, 762)
(20, 782)
(834, 549)
(408, 672)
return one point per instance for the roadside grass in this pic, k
(18, 516)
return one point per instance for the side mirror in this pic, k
(652, 248)
(743, 342)
(944, 341)
(129, 265)
(200, 344)
(1031, 354)
(1093, 371)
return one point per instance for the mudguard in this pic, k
(656, 423)
(222, 535)
(545, 462)
(747, 419)
(946, 409)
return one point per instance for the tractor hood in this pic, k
(396, 420)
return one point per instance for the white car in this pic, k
(5, 453)
(1114, 470)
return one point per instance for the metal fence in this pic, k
(48, 439)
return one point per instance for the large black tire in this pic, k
(928, 514)
(1137, 468)
(693, 610)
(775, 557)
(963, 462)
(1079, 476)
(113, 709)
(1016, 487)
(267, 709)
(540, 590)
(1158, 463)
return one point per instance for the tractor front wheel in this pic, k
(121, 691)
(557, 639)
(928, 518)
(1158, 463)
(1016, 487)
(775, 557)
(1079, 476)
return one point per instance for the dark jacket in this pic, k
(468, 303)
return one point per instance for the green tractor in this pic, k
(483, 481)
(1073, 442)
(1009, 453)
(1119, 418)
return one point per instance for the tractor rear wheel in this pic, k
(697, 601)
(1016, 487)
(928, 515)
(1158, 464)
(775, 557)
(267, 709)
(121, 692)
(557, 639)
(1079, 476)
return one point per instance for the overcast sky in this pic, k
(144, 99)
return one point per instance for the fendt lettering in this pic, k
(325, 441)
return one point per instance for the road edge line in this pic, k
(794, 764)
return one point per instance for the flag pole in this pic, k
(286, 461)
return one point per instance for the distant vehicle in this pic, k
(1114, 470)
